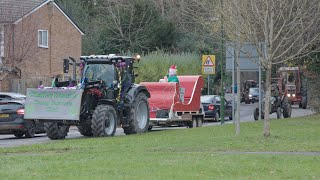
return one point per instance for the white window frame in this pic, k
(1, 42)
(40, 39)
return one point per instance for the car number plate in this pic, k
(4, 115)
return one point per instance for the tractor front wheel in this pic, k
(104, 121)
(56, 130)
(286, 106)
(138, 118)
(85, 129)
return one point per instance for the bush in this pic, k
(155, 65)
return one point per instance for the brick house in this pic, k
(35, 37)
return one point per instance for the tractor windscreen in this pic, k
(97, 72)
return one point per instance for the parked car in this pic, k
(11, 117)
(211, 105)
(254, 95)
(11, 96)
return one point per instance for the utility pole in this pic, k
(222, 67)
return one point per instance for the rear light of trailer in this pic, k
(211, 107)
(20, 111)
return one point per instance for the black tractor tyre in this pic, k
(56, 130)
(300, 105)
(104, 121)
(30, 129)
(304, 102)
(304, 87)
(286, 107)
(18, 134)
(256, 114)
(138, 118)
(85, 129)
(279, 113)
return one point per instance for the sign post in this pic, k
(208, 67)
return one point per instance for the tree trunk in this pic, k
(266, 127)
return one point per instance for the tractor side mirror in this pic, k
(65, 65)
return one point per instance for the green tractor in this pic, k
(105, 98)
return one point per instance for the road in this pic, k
(246, 114)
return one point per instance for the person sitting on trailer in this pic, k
(172, 74)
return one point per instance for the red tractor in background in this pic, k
(291, 83)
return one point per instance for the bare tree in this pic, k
(289, 29)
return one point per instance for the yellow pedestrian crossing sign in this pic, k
(208, 64)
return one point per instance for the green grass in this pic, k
(175, 154)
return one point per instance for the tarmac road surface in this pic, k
(246, 115)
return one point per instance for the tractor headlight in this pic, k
(289, 95)
(293, 95)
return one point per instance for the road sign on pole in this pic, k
(208, 64)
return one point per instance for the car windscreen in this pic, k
(206, 99)
(96, 72)
(254, 90)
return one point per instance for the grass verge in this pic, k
(175, 154)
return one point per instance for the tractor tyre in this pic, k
(85, 129)
(286, 106)
(18, 134)
(278, 113)
(304, 102)
(304, 87)
(256, 114)
(56, 130)
(104, 121)
(138, 118)
(31, 129)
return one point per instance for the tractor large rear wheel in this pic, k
(286, 106)
(56, 130)
(138, 118)
(104, 121)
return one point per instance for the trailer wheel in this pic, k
(286, 106)
(193, 123)
(104, 121)
(56, 130)
(199, 121)
(31, 129)
(138, 117)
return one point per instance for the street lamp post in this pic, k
(222, 78)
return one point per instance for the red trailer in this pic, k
(176, 104)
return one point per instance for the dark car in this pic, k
(11, 117)
(211, 105)
(254, 95)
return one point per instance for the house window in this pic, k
(1, 43)
(43, 38)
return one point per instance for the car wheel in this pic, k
(31, 129)
(217, 116)
(18, 134)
